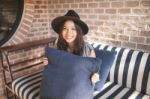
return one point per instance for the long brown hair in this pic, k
(78, 42)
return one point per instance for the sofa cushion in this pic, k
(131, 68)
(28, 86)
(115, 91)
(67, 76)
(107, 58)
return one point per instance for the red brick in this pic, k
(24, 27)
(30, 12)
(45, 2)
(39, 2)
(128, 45)
(137, 11)
(88, 0)
(123, 37)
(82, 5)
(90, 22)
(83, 16)
(145, 33)
(40, 20)
(74, 5)
(92, 17)
(110, 11)
(69, 1)
(132, 3)
(50, 1)
(58, 6)
(43, 7)
(88, 11)
(40, 11)
(137, 39)
(79, 11)
(131, 32)
(145, 3)
(37, 6)
(117, 4)
(98, 23)
(104, 4)
(28, 17)
(29, 1)
(26, 22)
(30, 6)
(55, 11)
(114, 17)
(62, 11)
(55, 1)
(110, 36)
(65, 5)
(98, 0)
(110, 24)
(93, 28)
(99, 34)
(51, 6)
(92, 5)
(103, 17)
(114, 42)
(78, 1)
(62, 1)
(124, 11)
(143, 47)
(23, 31)
(17, 40)
(148, 40)
(98, 11)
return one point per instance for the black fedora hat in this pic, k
(70, 15)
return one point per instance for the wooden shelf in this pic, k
(27, 44)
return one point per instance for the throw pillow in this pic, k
(107, 58)
(67, 76)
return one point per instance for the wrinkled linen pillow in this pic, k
(67, 76)
(107, 58)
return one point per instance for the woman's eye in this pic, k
(73, 28)
(64, 28)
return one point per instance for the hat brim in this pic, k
(58, 22)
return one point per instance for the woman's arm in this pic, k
(92, 54)
(95, 76)
(54, 45)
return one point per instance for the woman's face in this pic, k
(69, 32)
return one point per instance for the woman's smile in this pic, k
(69, 32)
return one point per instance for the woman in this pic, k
(71, 31)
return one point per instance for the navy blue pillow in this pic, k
(107, 58)
(67, 76)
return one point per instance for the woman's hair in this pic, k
(78, 42)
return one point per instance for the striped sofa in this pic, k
(129, 77)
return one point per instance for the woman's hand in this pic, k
(45, 61)
(95, 78)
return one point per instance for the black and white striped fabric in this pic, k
(129, 77)
(116, 91)
(130, 69)
(28, 87)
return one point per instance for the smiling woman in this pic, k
(10, 17)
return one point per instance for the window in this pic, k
(10, 17)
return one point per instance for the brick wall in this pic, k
(124, 23)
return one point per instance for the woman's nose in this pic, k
(69, 31)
